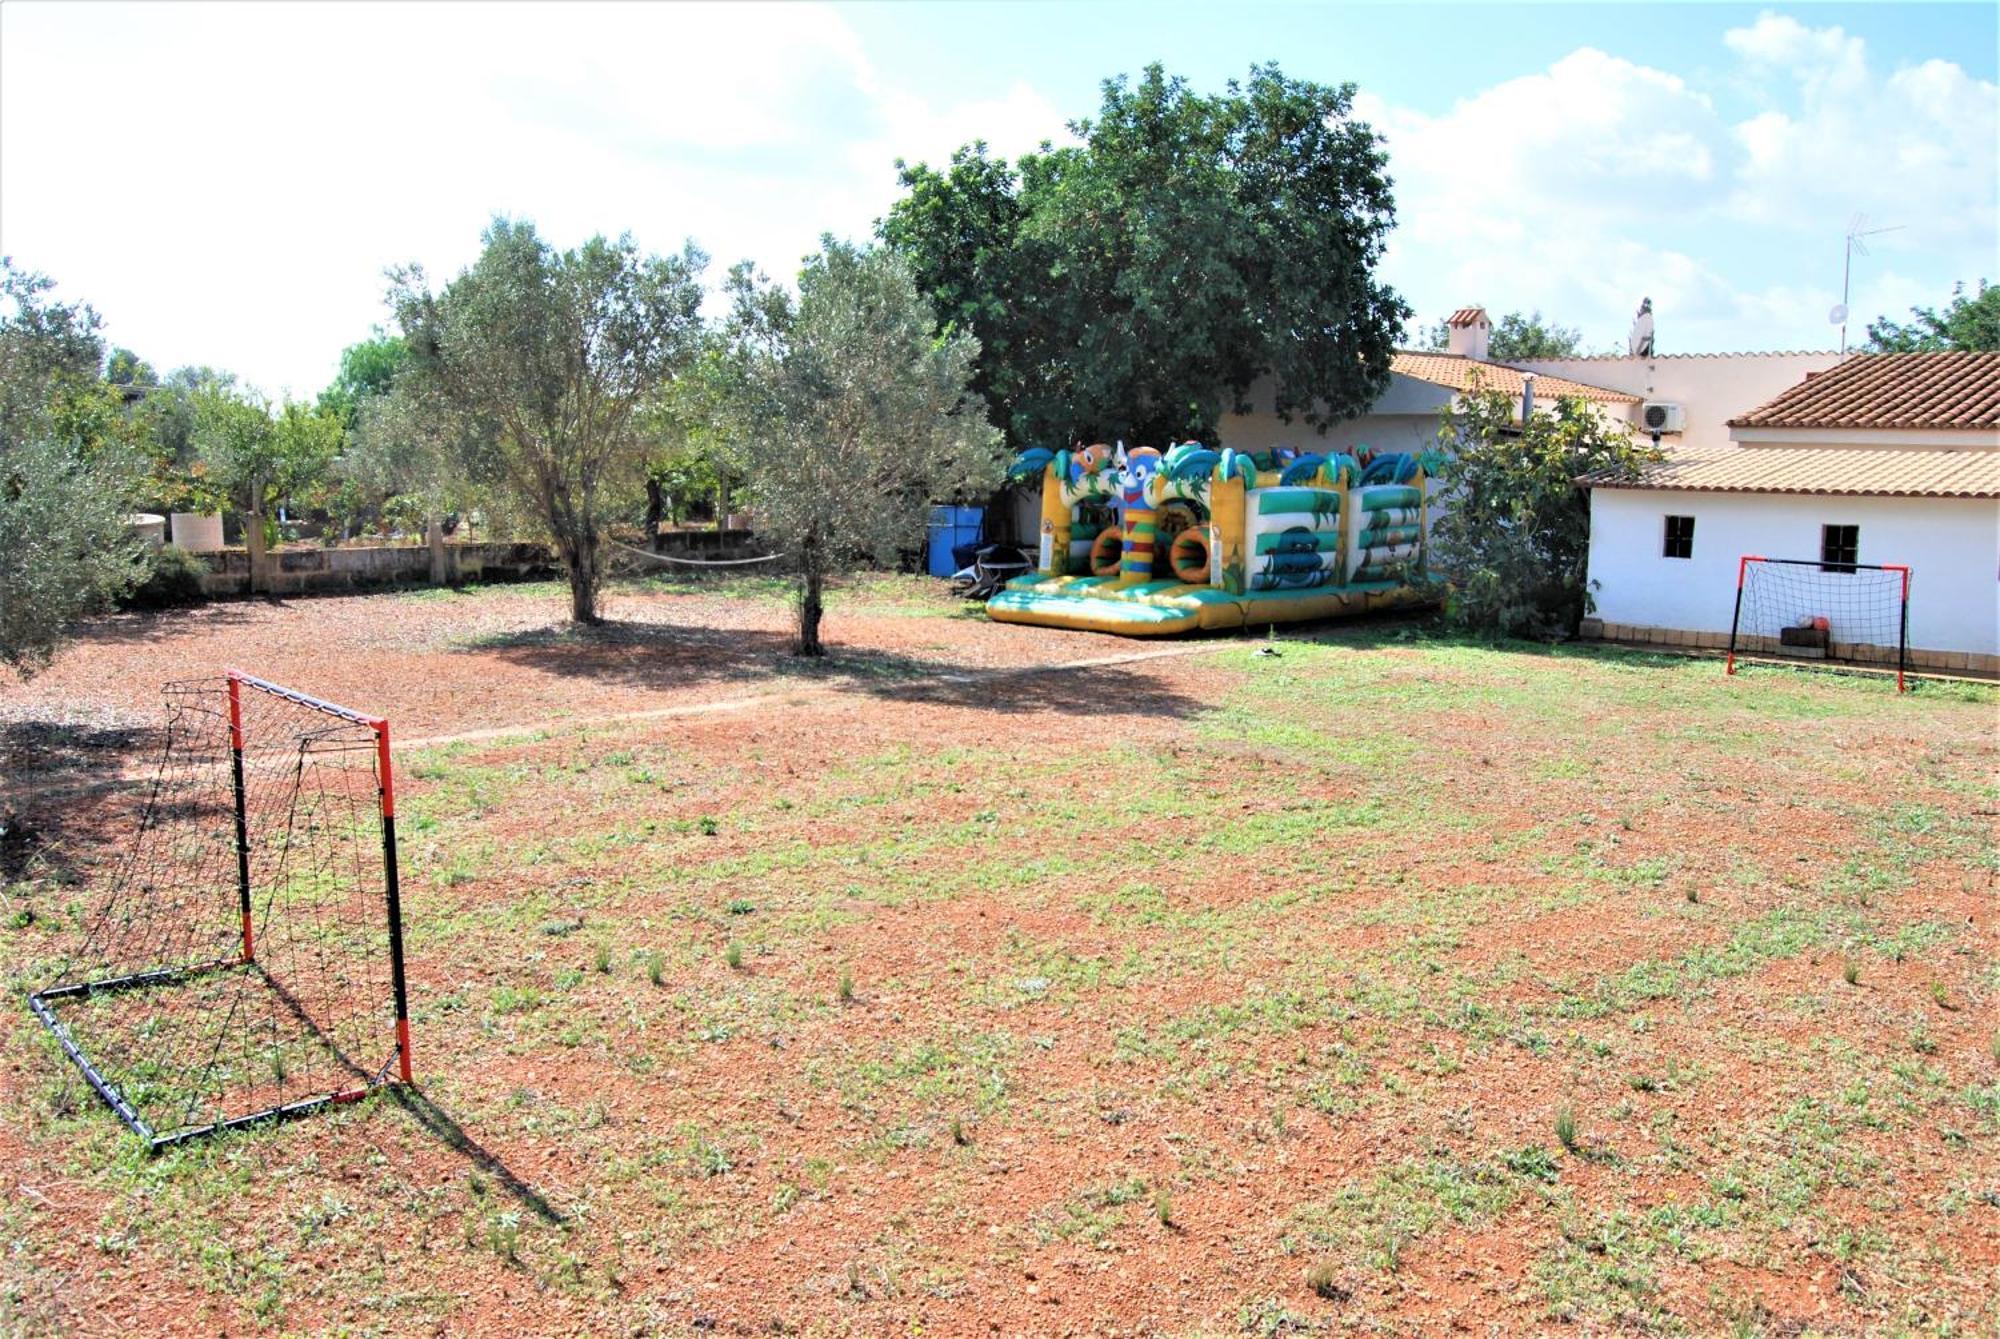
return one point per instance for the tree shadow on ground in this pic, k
(67, 792)
(438, 1123)
(130, 627)
(664, 656)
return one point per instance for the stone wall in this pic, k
(302, 571)
(1848, 653)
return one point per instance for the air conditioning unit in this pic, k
(1659, 416)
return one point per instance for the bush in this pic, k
(172, 580)
(1514, 542)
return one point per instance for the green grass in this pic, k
(1409, 944)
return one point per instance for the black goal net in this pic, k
(1805, 610)
(244, 961)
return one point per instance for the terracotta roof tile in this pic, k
(1890, 390)
(1886, 471)
(1466, 316)
(1459, 372)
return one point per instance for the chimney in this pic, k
(1527, 397)
(1466, 333)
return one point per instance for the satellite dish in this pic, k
(1838, 314)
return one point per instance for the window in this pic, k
(1839, 547)
(1680, 537)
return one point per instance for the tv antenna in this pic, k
(1857, 233)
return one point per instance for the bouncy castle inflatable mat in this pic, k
(1145, 544)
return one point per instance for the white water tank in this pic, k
(197, 533)
(149, 528)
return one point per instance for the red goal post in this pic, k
(1811, 609)
(244, 962)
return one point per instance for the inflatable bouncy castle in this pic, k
(1145, 544)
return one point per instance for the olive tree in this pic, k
(67, 473)
(853, 413)
(540, 359)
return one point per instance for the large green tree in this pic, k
(1967, 324)
(1135, 285)
(367, 371)
(542, 358)
(853, 412)
(1514, 540)
(66, 472)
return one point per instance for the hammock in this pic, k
(694, 562)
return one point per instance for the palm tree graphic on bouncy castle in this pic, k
(1137, 469)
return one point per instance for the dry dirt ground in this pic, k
(1385, 983)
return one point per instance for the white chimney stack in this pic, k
(1466, 333)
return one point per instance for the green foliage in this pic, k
(67, 472)
(690, 452)
(126, 368)
(253, 458)
(854, 413)
(1136, 285)
(173, 578)
(532, 365)
(1514, 543)
(1517, 337)
(367, 371)
(1966, 324)
(401, 455)
(1566, 1133)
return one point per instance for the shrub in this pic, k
(1515, 543)
(172, 579)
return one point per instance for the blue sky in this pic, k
(227, 183)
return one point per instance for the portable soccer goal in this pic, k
(1810, 610)
(244, 962)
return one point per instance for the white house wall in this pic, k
(1951, 545)
(1711, 388)
(1403, 418)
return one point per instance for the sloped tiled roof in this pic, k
(1459, 372)
(1855, 471)
(1890, 390)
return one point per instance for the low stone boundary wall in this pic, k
(1849, 653)
(301, 571)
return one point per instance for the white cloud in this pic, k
(1581, 188)
(228, 182)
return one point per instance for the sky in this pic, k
(227, 184)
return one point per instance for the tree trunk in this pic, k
(579, 553)
(811, 605)
(253, 541)
(656, 506)
(434, 537)
(582, 593)
(721, 505)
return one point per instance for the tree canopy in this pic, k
(540, 358)
(367, 370)
(1514, 542)
(853, 412)
(66, 472)
(1136, 285)
(1967, 324)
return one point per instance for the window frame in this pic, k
(1830, 559)
(1668, 538)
